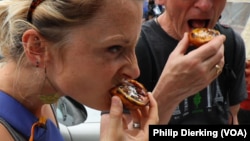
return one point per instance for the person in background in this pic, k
(151, 10)
(158, 49)
(244, 112)
(76, 48)
(145, 10)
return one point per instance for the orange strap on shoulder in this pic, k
(40, 123)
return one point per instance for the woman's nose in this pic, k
(132, 69)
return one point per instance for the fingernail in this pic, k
(116, 101)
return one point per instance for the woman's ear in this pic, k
(34, 48)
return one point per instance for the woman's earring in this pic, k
(49, 99)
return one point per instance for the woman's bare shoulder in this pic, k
(4, 134)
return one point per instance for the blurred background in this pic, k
(237, 15)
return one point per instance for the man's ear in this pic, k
(34, 48)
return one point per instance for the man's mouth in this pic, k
(194, 23)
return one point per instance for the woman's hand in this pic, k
(117, 126)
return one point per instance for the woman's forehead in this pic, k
(118, 12)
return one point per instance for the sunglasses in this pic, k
(32, 8)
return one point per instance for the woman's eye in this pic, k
(114, 49)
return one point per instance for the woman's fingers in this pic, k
(152, 112)
(112, 123)
(116, 111)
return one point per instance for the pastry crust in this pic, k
(200, 36)
(132, 94)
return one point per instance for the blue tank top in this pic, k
(22, 120)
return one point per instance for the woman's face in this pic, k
(99, 54)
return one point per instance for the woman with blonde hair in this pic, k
(79, 48)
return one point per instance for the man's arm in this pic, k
(233, 118)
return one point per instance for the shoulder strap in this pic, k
(24, 120)
(227, 76)
(229, 47)
(15, 135)
(21, 121)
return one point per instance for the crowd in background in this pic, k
(151, 9)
